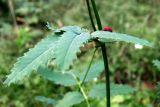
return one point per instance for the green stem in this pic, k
(88, 67)
(83, 93)
(80, 88)
(90, 15)
(105, 59)
(96, 15)
(104, 52)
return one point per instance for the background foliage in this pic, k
(128, 64)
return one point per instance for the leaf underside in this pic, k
(70, 99)
(39, 55)
(99, 90)
(68, 46)
(104, 36)
(66, 78)
(57, 77)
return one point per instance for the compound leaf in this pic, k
(68, 46)
(70, 99)
(39, 55)
(99, 90)
(104, 36)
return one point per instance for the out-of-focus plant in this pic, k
(60, 50)
(157, 64)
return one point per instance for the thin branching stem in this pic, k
(96, 15)
(83, 93)
(105, 59)
(84, 78)
(104, 53)
(90, 15)
(80, 88)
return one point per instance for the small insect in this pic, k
(107, 28)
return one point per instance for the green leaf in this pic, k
(70, 99)
(31, 60)
(46, 100)
(68, 46)
(104, 36)
(75, 29)
(99, 90)
(94, 71)
(57, 77)
(156, 63)
(66, 79)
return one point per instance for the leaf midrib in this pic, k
(68, 48)
(23, 69)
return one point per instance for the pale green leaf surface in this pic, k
(70, 99)
(94, 71)
(57, 77)
(75, 29)
(68, 46)
(39, 55)
(156, 63)
(104, 36)
(46, 100)
(99, 90)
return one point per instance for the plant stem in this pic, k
(83, 93)
(96, 15)
(90, 15)
(80, 88)
(105, 59)
(88, 67)
(11, 8)
(104, 52)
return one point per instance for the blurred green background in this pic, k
(23, 24)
